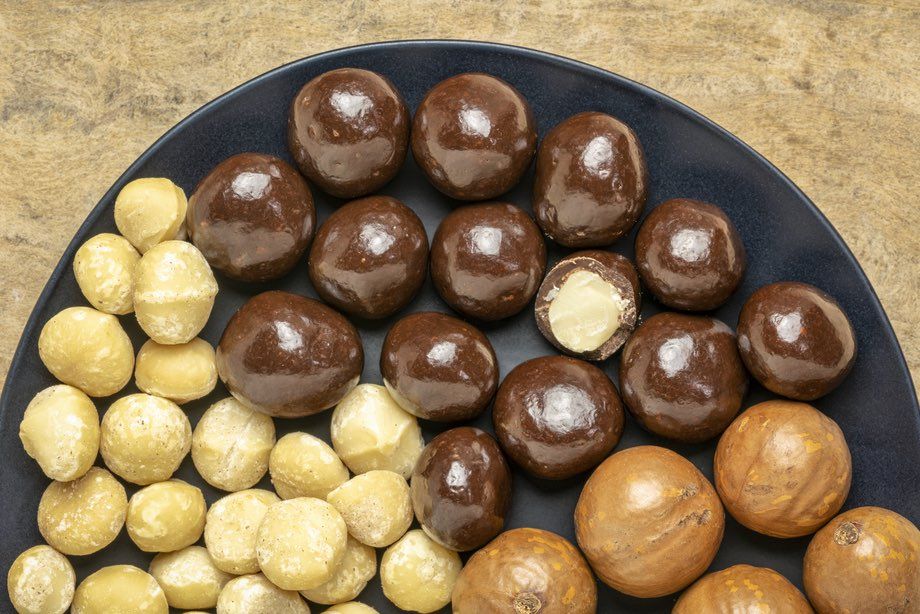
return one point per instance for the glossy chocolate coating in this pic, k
(474, 136)
(438, 367)
(681, 376)
(461, 488)
(370, 257)
(556, 416)
(252, 217)
(487, 260)
(796, 340)
(289, 356)
(348, 130)
(689, 255)
(591, 181)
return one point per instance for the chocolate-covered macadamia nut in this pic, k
(588, 304)
(796, 340)
(681, 376)
(438, 367)
(289, 356)
(689, 255)
(474, 136)
(591, 181)
(370, 257)
(487, 260)
(348, 130)
(252, 217)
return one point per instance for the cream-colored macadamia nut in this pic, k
(188, 577)
(41, 581)
(371, 431)
(104, 268)
(232, 527)
(174, 292)
(231, 445)
(84, 515)
(254, 594)
(357, 568)
(376, 507)
(149, 211)
(418, 574)
(180, 373)
(120, 589)
(88, 349)
(352, 607)
(144, 438)
(166, 516)
(585, 312)
(302, 465)
(300, 543)
(60, 430)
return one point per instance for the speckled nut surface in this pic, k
(375, 506)
(231, 445)
(119, 588)
(104, 267)
(231, 528)
(188, 577)
(166, 516)
(417, 574)
(87, 349)
(357, 567)
(180, 373)
(41, 581)
(254, 594)
(149, 211)
(742, 588)
(85, 515)
(144, 438)
(351, 607)
(783, 468)
(60, 430)
(302, 465)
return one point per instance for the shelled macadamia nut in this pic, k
(418, 574)
(254, 594)
(358, 566)
(188, 577)
(174, 292)
(119, 588)
(85, 515)
(352, 607)
(41, 581)
(87, 349)
(104, 268)
(149, 211)
(231, 528)
(60, 430)
(231, 445)
(376, 507)
(180, 373)
(144, 438)
(166, 516)
(302, 465)
(371, 431)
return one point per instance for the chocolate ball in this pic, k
(370, 257)
(461, 488)
(252, 217)
(289, 356)
(689, 255)
(438, 367)
(348, 130)
(474, 136)
(556, 416)
(681, 376)
(796, 340)
(487, 260)
(591, 181)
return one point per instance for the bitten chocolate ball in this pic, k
(289, 356)
(487, 260)
(461, 488)
(796, 340)
(689, 255)
(370, 257)
(252, 217)
(348, 130)
(438, 367)
(588, 304)
(681, 376)
(474, 136)
(591, 181)
(556, 416)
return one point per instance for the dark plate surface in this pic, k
(785, 236)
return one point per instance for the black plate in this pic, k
(785, 236)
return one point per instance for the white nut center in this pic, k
(586, 311)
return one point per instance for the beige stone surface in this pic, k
(827, 90)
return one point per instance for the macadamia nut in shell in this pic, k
(358, 566)
(231, 529)
(376, 507)
(418, 574)
(41, 581)
(60, 430)
(302, 465)
(180, 373)
(743, 588)
(188, 577)
(104, 267)
(254, 594)
(149, 211)
(122, 589)
(166, 516)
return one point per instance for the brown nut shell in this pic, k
(742, 588)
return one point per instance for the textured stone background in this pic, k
(829, 91)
